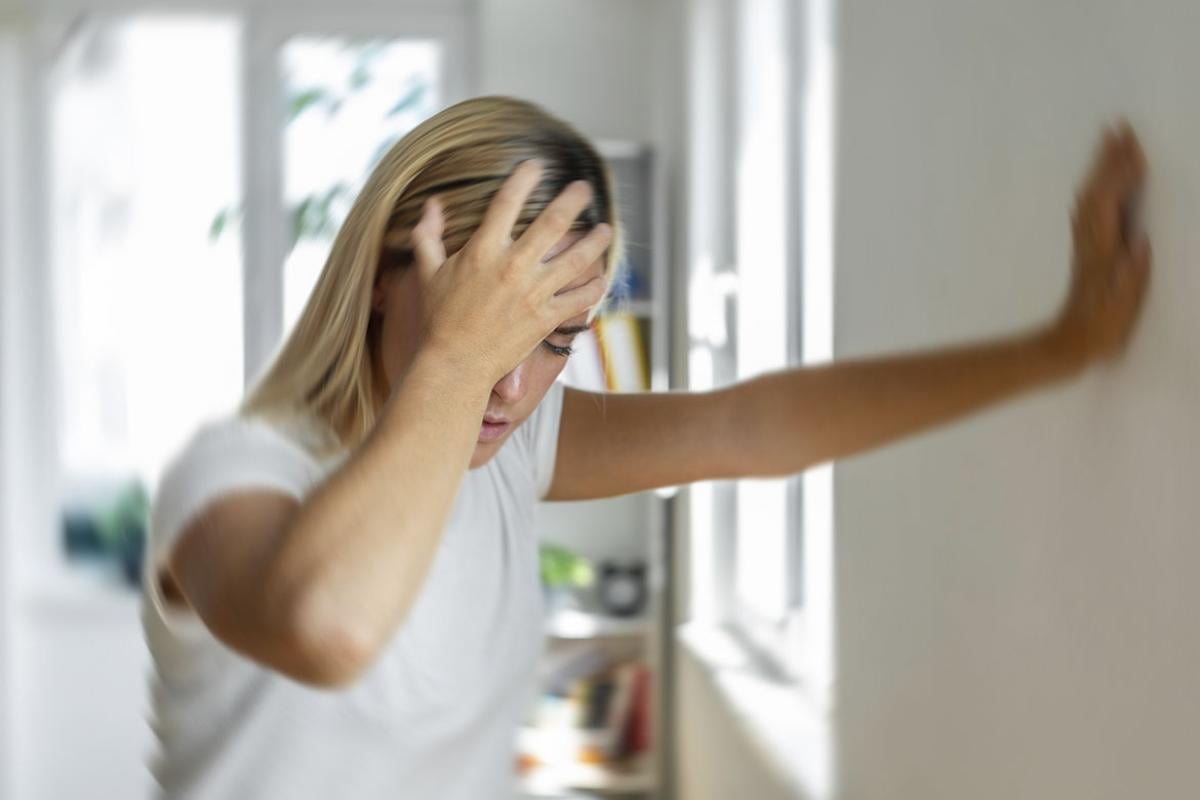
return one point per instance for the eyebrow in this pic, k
(571, 330)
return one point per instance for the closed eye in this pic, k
(559, 350)
(569, 331)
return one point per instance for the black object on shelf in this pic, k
(622, 588)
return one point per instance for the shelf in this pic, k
(573, 624)
(557, 780)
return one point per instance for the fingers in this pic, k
(1134, 277)
(1140, 259)
(1099, 203)
(577, 259)
(429, 252)
(1106, 212)
(570, 302)
(505, 209)
(1132, 148)
(554, 221)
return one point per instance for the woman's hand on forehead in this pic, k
(492, 302)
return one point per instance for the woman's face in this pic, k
(513, 397)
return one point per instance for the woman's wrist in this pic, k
(1062, 348)
(446, 377)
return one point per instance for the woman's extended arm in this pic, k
(782, 422)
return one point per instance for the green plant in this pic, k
(560, 567)
(122, 524)
(314, 216)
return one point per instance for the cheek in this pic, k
(406, 314)
(401, 333)
(542, 370)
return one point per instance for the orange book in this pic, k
(623, 353)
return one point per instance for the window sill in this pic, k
(781, 720)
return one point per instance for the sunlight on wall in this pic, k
(819, 160)
(762, 228)
(149, 320)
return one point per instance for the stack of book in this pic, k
(600, 718)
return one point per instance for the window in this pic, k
(148, 312)
(175, 271)
(760, 299)
(347, 102)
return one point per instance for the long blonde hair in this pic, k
(324, 370)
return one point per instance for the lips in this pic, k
(492, 430)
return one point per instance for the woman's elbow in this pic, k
(330, 649)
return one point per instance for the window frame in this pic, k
(265, 32)
(779, 646)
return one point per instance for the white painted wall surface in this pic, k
(718, 759)
(1017, 596)
(8, 466)
(588, 61)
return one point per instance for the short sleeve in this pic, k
(542, 437)
(223, 455)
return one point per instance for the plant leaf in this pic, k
(222, 220)
(411, 98)
(305, 99)
(300, 215)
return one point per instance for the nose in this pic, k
(511, 388)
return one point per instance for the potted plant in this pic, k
(563, 572)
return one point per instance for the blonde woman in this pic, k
(342, 593)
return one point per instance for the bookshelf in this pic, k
(629, 352)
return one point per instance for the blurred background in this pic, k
(1007, 609)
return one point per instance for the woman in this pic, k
(342, 591)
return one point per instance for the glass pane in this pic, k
(148, 301)
(762, 324)
(347, 102)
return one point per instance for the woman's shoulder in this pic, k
(229, 452)
(234, 431)
(233, 447)
(295, 433)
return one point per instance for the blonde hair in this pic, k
(324, 369)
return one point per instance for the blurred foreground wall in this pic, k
(1016, 596)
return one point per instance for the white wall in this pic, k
(8, 157)
(718, 760)
(588, 61)
(1017, 595)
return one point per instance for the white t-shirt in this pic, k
(434, 717)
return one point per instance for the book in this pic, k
(637, 729)
(602, 718)
(623, 353)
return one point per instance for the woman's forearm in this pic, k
(787, 421)
(356, 554)
(793, 419)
